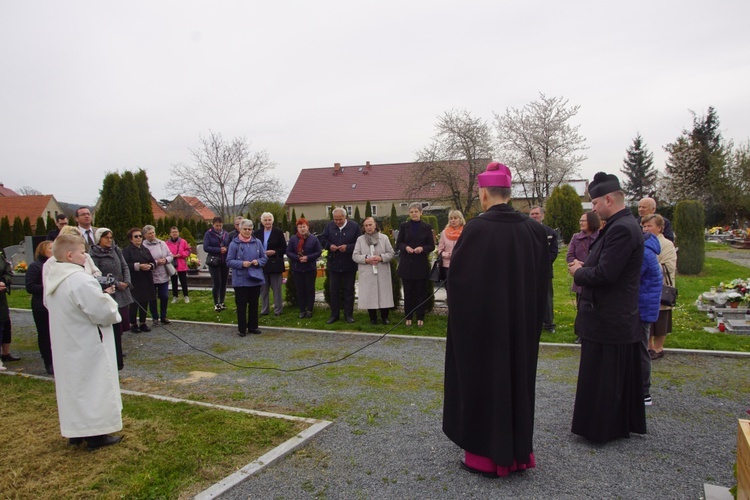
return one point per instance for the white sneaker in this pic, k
(187, 299)
(647, 401)
(174, 300)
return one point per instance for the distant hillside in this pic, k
(70, 208)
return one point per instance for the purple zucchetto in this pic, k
(496, 175)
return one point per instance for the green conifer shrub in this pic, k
(689, 228)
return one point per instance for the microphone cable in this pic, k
(439, 285)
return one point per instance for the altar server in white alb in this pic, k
(81, 319)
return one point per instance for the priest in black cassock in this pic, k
(609, 398)
(499, 278)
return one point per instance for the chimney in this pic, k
(336, 168)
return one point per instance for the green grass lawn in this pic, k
(169, 450)
(688, 322)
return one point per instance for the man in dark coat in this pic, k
(274, 243)
(548, 320)
(499, 280)
(339, 238)
(609, 398)
(61, 220)
(646, 207)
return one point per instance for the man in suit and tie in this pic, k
(83, 219)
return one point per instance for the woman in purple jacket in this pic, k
(580, 244)
(246, 257)
(216, 244)
(303, 251)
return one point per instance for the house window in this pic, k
(48, 212)
(353, 186)
(374, 209)
(349, 210)
(403, 204)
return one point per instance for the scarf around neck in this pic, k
(301, 243)
(453, 233)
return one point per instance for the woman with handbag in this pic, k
(448, 239)
(246, 256)
(654, 224)
(109, 259)
(415, 242)
(216, 244)
(161, 273)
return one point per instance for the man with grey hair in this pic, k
(537, 213)
(274, 243)
(236, 231)
(646, 207)
(339, 238)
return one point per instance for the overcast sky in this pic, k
(88, 87)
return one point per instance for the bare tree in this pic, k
(461, 148)
(226, 175)
(540, 143)
(28, 191)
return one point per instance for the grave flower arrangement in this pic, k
(193, 262)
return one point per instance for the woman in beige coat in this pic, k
(654, 224)
(373, 252)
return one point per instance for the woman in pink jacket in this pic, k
(180, 251)
(448, 239)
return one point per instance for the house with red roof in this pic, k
(189, 207)
(4, 191)
(316, 189)
(31, 206)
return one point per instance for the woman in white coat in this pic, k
(373, 252)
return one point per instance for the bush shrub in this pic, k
(689, 227)
(563, 211)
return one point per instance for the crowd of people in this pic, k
(86, 288)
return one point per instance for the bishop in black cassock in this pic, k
(499, 278)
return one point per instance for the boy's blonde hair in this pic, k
(64, 244)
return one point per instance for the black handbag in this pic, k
(213, 260)
(668, 291)
(435, 271)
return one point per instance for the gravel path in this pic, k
(739, 257)
(386, 404)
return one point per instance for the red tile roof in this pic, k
(356, 183)
(4, 191)
(206, 213)
(158, 211)
(31, 206)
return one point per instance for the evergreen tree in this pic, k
(689, 227)
(638, 167)
(563, 211)
(330, 211)
(6, 233)
(285, 222)
(293, 222)
(368, 210)
(50, 224)
(17, 232)
(697, 159)
(357, 217)
(186, 235)
(108, 213)
(129, 207)
(394, 217)
(290, 290)
(27, 231)
(40, 230)
(144, 196)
